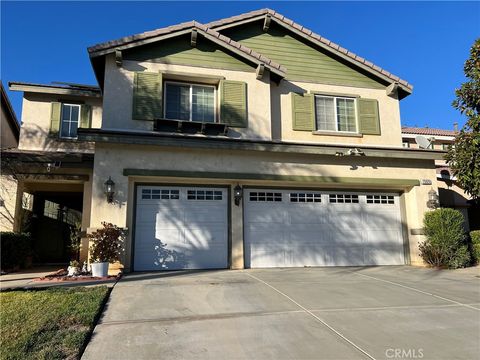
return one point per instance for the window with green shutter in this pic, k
(368, 117)
(233, 103)
(147, 96)
(189, 102)
(303, 112)
(66, 118)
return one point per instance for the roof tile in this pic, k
(427, 131)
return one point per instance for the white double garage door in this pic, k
(188, 228)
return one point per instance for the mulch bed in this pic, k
(61, 275)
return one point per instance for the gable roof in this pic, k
(212, 30)
(427, 131)
(318, 40)
(148, 37)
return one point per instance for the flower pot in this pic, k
(100, 269)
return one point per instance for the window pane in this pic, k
(325, 113)
(69, 123)
(66, 112)
(346, 114)
(203, 103)
(177, 102)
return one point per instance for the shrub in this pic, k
(475, 236)
(15, 249)
(107, 243)
(446, 244)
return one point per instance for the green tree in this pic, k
(464, 157)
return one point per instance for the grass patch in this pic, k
(48, 324)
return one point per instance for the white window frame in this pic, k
(405, 144)
(78, 120)
(190, 84)
(335, 113)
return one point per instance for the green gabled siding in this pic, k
(179, 51)
(303, 62)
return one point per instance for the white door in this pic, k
(295, 228)
(180, 228)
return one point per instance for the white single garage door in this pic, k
(180, 228)
(295, 228)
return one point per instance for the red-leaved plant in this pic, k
(106, 244)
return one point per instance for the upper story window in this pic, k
(190, 102)
(335, 113)
(406, 144)
(69, 121)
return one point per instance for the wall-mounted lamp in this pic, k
(237, 194)
(433, 202)
(109, 188)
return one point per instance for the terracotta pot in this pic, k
(100, 269)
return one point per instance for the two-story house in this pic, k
(246, 142)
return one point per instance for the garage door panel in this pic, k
(179, 231)
(387, 255)
(346, 220)
(342, 237)
(266, 213)
(307, 215)
(208, 214)
(266, 258)
(378, 219)
(346, 256)
(333, 229)
(383, 237)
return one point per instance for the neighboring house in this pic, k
(451, 195)
(9, 133)
(246, 142)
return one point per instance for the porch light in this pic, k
(109, 187)
(237, 194)
(432, 202)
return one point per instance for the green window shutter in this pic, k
(86, 116)
(368, 118)
(303, 112)
(233, 103)
(147, 96)
(55, 114)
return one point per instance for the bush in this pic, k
(107, 243)
(475, 236)
(15, 250)
(446, 243)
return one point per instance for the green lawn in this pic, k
(48, 324)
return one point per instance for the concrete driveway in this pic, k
(309, 313)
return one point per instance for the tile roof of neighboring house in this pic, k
(191, 25)
(313, 36)
(427, 131)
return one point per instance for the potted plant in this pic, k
(74, 268)
(106, 247)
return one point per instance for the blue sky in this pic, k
(425, 43)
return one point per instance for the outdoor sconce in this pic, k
(237, 194)
(432, 202)
(109, 187)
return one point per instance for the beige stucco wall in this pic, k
(36, 111)
(155, 158)
(389, 112)
(118, 96)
